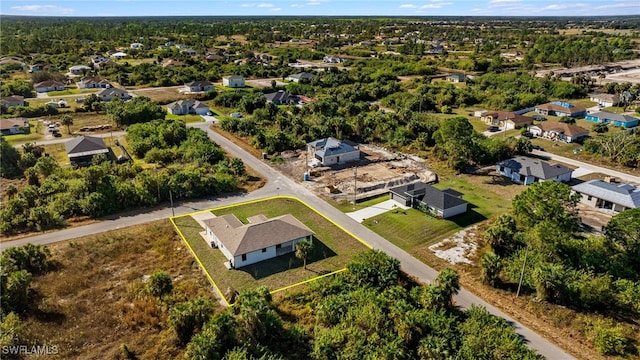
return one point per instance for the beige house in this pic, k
(559, 131)
(261, 239)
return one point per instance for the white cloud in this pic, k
(297, 5)
(264, 5)
(436, 5)
(44, 9)
(555, 7)
(503, 1)
(276, 9)
(407, 6)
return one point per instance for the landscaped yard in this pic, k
(186, 118)
(412, 230)
(332, 251)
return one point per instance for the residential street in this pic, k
(593, 168)
(280, 184)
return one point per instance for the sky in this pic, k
(320, 7)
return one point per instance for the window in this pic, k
(278, 246)
(264, 250)
(589, 198)
(244, 257)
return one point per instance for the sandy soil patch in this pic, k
(459, 248)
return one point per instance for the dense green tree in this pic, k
(9, 167)
(550, 201)
(188, 318)
(374, 268)
(624, 230)
(501, 235)
(67, 121)
(491, 268)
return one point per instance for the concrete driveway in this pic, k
(374, 210)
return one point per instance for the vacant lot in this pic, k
(94, 300)
(333, 248)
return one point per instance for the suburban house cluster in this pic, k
(260, 239)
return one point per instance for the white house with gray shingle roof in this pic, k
(261, 239)
(525, 170)
(330, 151)
(604, 195)
(188, 106)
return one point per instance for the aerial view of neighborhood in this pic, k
(319, 180)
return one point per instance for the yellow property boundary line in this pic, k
(253, 202)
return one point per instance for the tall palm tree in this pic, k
(68, 121)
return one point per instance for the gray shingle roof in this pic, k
(241, 238)
(281, 97)
(441, 199)
(613, 116)
(533, 167)
(85, 145)
(331, 146)
(626, 195)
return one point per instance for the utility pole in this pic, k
(355, 185)
(524, 263)
(173, 213)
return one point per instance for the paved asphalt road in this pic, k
(280, 184)
(597, 169)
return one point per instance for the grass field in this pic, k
(185, 118)
(333, 248)
(347, 206)
(94, 299)
(72, 91)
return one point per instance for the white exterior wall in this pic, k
(233, 83)
(460, 209)
(342, 158)
(254, 257)
(49, 88)
(202, 111)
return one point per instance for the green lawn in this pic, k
(23, 138)
(186, 118)
(71, 92)
(333, 248)
(412, 230)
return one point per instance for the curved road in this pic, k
(282, 185)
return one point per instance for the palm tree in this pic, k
(303, 249)
(68, 121)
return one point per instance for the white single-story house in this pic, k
(187, 106)
(558, 131)
(261, 239)
(13, 100)
(605, 195)
(300, 76)
(605, 117)
(456, 78)
(136, 45)
(525, 170)
(197, 86)
(79, 69)
(511, 119)
(119, 55)
(441, 203)
(560, 108)
(48, 85)
(605, 100)
(12, 126)
(92, 83)
(330, 151)
(109, 94)
(233, 81)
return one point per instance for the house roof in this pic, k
(48, 83)
(510, 115)
(198, 83)
(112, 91)
(613, 116)
(11, 99)
(259, 233)
(606, 97)
(280, 96)
(188, 103)
(626, 194)
(560, 106)
(233, 77)
(118, 54)
(85, 145)
(302, 75)
(441, 199)
(457, 76)
(331, 146)
(563, 128)
(533, 167)
(79, 67)
(6, 124)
